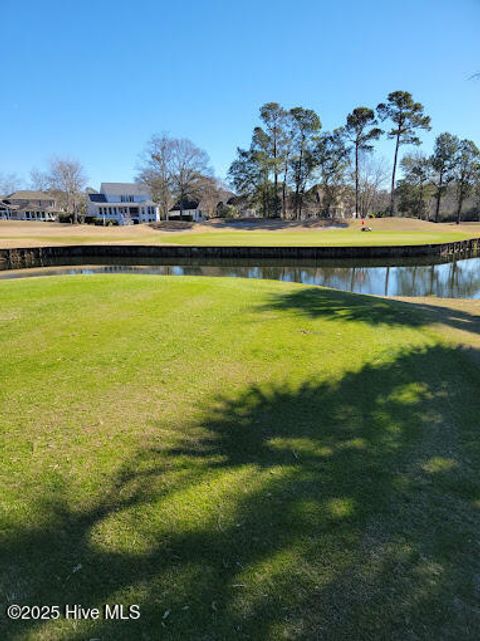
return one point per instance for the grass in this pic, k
(388, 231)
(333, 237)
(244, 459)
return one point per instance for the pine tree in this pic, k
(407, 118)
(361, 130)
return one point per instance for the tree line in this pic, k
(454, 162)
(289, 154)
(292, 167)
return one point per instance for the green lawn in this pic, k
(386, 231)
(244, 459)
(342, 237)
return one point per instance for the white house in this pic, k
(123, 203)
(187, 209)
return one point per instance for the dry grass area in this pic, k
(388, 231)
(35, 234)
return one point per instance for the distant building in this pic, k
(29, 205)
(187, 209)
(317, 206)
(241, 207)
(123, 203)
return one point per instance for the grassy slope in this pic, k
(337, 237)
(396, 231)
(245, 459)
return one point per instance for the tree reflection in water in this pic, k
(453, 279)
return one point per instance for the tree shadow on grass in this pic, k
(329, 511)
(255, 224)
(453, 317)
(316, 302)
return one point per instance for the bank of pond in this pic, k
(452, 277)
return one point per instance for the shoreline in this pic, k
(23, 257)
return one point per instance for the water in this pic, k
(453, 279)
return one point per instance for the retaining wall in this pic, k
(20, 258)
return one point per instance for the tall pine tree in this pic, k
(407, 118)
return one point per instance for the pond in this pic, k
(455, 278)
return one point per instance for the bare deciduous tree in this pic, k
(214, 192)
(372, 182)
(67, 177)
(9, 183)
(175, 170)
(155, 171)
(39, 180)
(190, 168)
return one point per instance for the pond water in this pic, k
(455, 278)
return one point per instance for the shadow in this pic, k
(333, 304)
(451, 316)
(172, 225)
(252, 224)
(333, 510)
(249, 224)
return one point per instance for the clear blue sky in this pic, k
(94, 80)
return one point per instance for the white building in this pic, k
(187, 209)
(123, 203)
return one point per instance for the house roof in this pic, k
(123, 189)
(187, 203)
(30, 195)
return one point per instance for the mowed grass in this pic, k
(386, 231)
(244, 459)
(331, 237)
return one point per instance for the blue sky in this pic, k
(94, 80)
